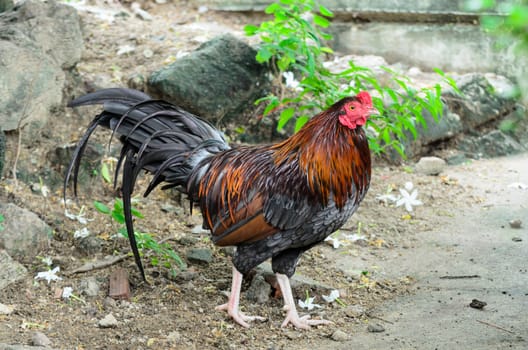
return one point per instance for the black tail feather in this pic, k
(157, 136)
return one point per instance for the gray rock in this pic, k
(493, 144)
(37, 40)
(11, 270)
(24, 234)
(354, 311)
(200, 255)
(6, 309)
(340, 336)
(109, 321)
(40, 339)
(218, 80)
(517, 223)
(430, 165)
(375, 328)
(480, 103)
(4, 346)
(89, 245)
(89, 287)
(259, 290)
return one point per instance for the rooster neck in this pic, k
(332, 159)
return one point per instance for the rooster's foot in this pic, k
(238, 316)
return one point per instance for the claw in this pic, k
(292, 316)
(238, 316)
(232, 305)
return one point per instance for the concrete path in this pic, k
(478, 241)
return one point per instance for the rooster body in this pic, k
(272, 201)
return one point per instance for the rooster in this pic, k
(270, 201)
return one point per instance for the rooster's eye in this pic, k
(351, 107)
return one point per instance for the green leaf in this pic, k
(119, 217)
(272, 8)
(284, 63)
(136, 213)
(285, 116)
(102, 208)
(263, 55)
(105, 173)
(325, 12)
(299, 123)
(321, 21)
(250, 29)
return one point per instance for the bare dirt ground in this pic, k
(178, 312)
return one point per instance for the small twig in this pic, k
(458, 277)
(98, 264)
(495, 326)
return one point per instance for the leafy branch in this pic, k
(293, 42)
(163, 255)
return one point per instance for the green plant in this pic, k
(293, 42)
(508, 21)
(163, 255)
(1, 221)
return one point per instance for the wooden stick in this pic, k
(495, 326)
(98, 264)
(458, 277)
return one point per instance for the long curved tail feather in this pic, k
(158, 137)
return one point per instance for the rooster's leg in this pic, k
(232, 305)
(289, 305)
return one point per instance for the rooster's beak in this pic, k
(374, 111)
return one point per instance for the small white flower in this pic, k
(47, 260)
(290, 81)
(334, 295)
(79, 217)
(386, 198)
(50, 275)
(308, 304)
(84, 232)
(336, 243)
(408, 200)
(67, 292)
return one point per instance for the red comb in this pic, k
(364, 98)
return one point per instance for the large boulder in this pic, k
(218, 80)
(24, 234)
(37, 41)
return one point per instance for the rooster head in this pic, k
(355, 110)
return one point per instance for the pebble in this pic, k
(517, 223)
(109, 303)
(354, 311)
(109, 321)
(40, 339)
(89, 287)
(200, 255)
(477, 304)
(259, 291)
(174, 337)
(199, 230)
(375, 328)
(5, 309)
(517, 239)
(339, 335)
(430, 165)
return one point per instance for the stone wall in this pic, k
(428, 34)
